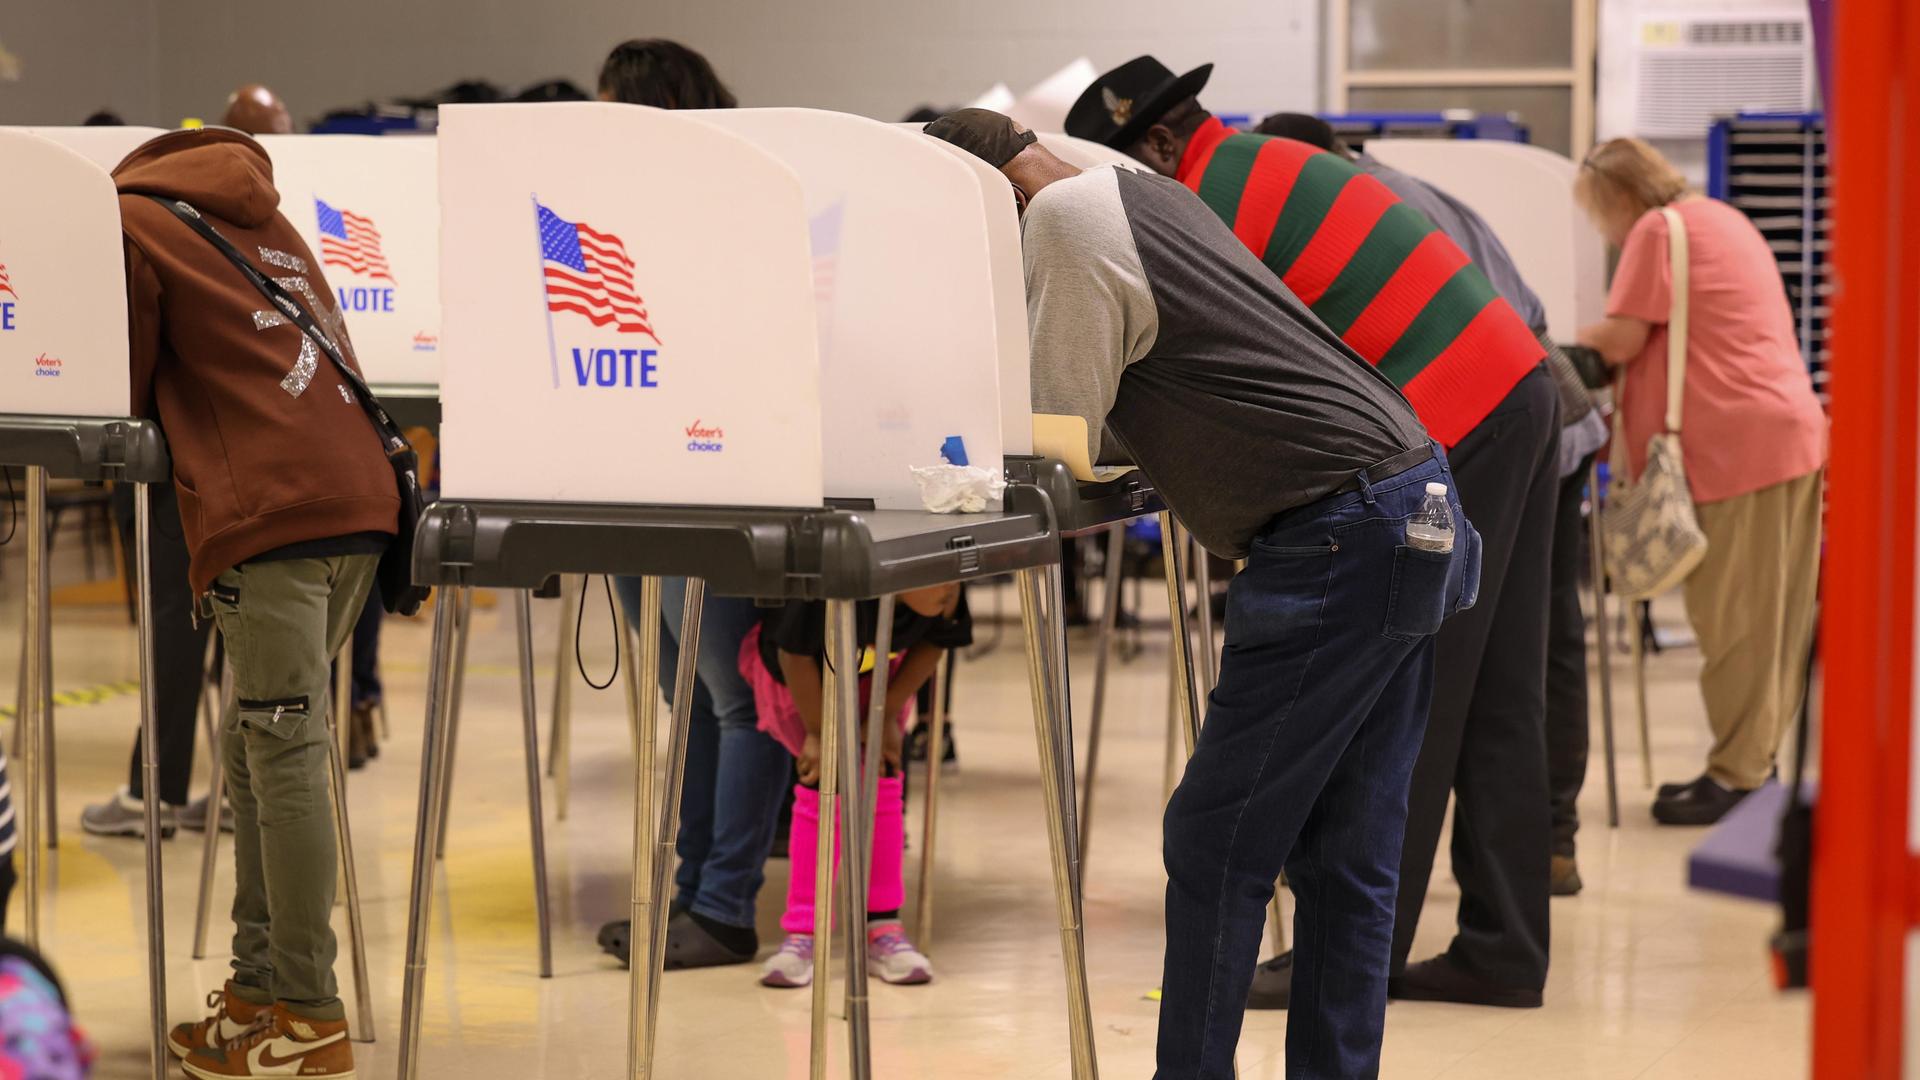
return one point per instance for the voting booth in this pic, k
(1525, 193)
(64, 401)
(368, 208)
(641, 390)
(592, 293)
(910, 338)
(104, 146)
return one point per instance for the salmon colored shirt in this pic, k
(1749, 418)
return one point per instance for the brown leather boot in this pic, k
(283, 1045)
(363, 744)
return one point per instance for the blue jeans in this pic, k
(1303, 763)
(736, 774)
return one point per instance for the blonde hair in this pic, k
(1629, 175)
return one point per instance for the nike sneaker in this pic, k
(231, 1019)
(282, 1044)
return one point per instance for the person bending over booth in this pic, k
(1152, 324)
(1582, 433)
(1754, 440)
(1408, 300)
(784, 659)
(287, 500)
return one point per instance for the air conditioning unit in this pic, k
(1686, 70)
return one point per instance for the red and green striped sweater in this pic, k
(1375, 270)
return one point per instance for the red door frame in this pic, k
(1863, 870)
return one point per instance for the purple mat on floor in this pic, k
(1737, 857)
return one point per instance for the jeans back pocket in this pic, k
(1417, 602)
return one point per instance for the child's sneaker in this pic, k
(282, 1044)
(791, 965)
(231, 1019)
(893, 959)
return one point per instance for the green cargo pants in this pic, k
(283, 621)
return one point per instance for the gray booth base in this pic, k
(87, 447)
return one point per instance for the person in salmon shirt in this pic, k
(1754, 441)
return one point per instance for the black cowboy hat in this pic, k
(1122, 104)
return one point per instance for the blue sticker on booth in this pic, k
(954, 450)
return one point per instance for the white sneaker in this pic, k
(124, 815)
(891, 958)
(791, 965)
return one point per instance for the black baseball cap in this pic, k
(1122, 104)
(987, 135)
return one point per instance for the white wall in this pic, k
(77, 57)
(875, 57)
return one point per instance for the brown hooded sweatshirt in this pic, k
(269, 446)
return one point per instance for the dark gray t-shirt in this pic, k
(1470, 231)
(1150, 318)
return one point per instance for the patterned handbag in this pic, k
(1653, 538)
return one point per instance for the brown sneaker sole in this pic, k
(188, 1065)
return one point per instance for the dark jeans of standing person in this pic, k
(179, 646)
(366, 651)
(736, 774)
(1486, 740)
(1567, 723)
(1302, 764)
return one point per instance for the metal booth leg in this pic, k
(840, 695)
(641, 956)
(536, 821)
(1102, 655)
(28, 725)
(566, 661)
(343, 837)
(426, 828)
(150, 785)
(1047, 725)
(462, 599)
(936, 747)
(664, 837)
(1603, 636)
(857, 849)
(1639, 654)
(49, 748)
(210, 843)
(1054, 622)
(1186, 709)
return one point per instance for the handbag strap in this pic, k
(1677, 265)
(290, 306)
(1677, 316)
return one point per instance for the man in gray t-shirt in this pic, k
(1272, 440)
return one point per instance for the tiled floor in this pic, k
(1649, 980)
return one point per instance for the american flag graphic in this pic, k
(588, 273)
(351, 242)
(6, 283)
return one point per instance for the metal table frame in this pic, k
(86, 448)
(834, 555)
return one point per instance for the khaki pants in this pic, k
(1751, 604)
(283, 622)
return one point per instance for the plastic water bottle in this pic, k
(1431, 528)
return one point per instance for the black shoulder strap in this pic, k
(290, 306)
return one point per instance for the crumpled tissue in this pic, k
(958, 489)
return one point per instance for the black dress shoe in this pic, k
(1272, 983)
(1704, 803)
(1668, 791)
(1440, 979)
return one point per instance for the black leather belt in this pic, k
(1390, 468)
